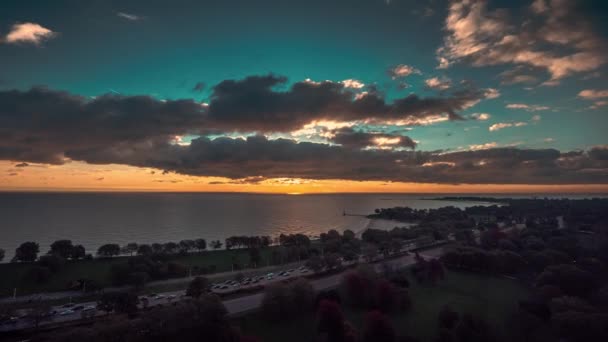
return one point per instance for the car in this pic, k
(89, 308)
(291, 270)
(66, 312)
(159, 296)
(78, 307)
(224, 287)
(152, 295)
(68, 305)
(171, 296)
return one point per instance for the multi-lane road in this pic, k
(236, 306)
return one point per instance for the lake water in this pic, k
(92, 219)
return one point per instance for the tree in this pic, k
(108, 250)
(62, 248)
(78, 252)
(303, 295)
(120, 302)
(216, 244)
(2, 253)
(330, 321)
(27, 252)
(378, 328)
(144, 250)
(200, 244)
(187, 245)
(130, 248)
(315, 263)
(197, 287)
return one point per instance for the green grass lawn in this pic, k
(489, 297)
(98, 270)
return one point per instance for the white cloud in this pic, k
(529, 108)
(403, 70)
(352, 83)
(28, 33)
(592, 94)
(501, 125)
(438, 83)
(551, 36)
(483, 146)
(491, 93)
(480, 116)
(128, 16)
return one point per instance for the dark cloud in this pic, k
(43, 125)
(257, 156)
(199, 87)
(349, 137)
(46, 126)
(254, 104)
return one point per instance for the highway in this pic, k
(235, 306)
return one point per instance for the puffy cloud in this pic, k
(480, 116)
(51, 127)
(556, 39)
(351, 138)
(501, 125)
(526, 107)
(28, 33)
(483, 146)
(253, 104)
(403, 70)
(601, 97)
(592, 94)
(352, 83)
(438, 83)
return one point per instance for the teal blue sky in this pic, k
(164, 48)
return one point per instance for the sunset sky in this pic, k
(304, 96)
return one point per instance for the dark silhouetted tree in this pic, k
(27, 251)
(197, 287)
(108, 250)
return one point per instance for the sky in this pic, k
(304, 96)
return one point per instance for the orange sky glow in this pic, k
(77, 176)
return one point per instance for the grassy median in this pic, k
(492, 298)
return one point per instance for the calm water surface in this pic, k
(92, 219)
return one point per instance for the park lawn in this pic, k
(98, 270)
(491, 298)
